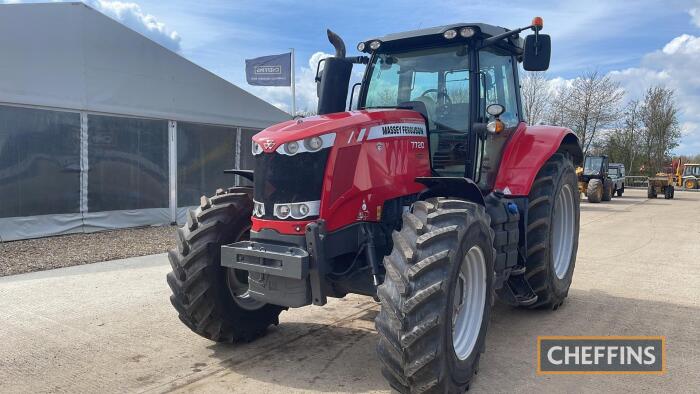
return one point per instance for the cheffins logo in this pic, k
(601, 355)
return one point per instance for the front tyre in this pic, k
(210, 299)
(594, 191)
(436, 297)
(552, 231)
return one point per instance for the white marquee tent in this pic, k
(102, 128)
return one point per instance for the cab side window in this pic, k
(498, 84)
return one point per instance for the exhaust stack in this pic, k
(332, 82)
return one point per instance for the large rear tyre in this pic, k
(594, 192)
(210, 299)
(436, 297)
(552, 231)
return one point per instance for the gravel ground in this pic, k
(40, 254)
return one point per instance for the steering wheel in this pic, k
(445, 108)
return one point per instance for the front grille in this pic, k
(281, 179)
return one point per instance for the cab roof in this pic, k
(432, 35)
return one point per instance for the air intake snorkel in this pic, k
(332, 82)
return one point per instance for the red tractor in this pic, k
(433, 196)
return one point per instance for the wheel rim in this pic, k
(563, 231)
(237, 281)
(468, 302)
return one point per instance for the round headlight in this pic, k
(291, 147)
(256, 148)
(283, 211)
(450, 34)
(313, 144)
(303, 209)
(374, 45)
(466, 32)
(361, 47)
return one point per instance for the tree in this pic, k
(590, 105)
(659, 114)
(536, 96)
(621, 143)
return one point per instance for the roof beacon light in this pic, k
(450, 34)
(466, 32)
(538, 22)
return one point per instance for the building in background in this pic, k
(102, 128)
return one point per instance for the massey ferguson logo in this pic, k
(268, 144)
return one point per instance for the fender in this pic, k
(450, 187)
(528, 150)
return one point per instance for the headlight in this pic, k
(466, 32)
(311, 144)
(374, 45)
(291, 147)
(256, 148)
(258, 209)
(298, 210)
(361, 47)
(450, 34)
(282, 211)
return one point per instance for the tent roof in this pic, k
(68, 55)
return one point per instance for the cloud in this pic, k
(131, 15)
(695, 16)
(671, 66)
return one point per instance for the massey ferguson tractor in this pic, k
(433, 196)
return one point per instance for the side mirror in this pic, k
(538, 50)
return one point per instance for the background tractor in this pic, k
(432, 196)
(691, 176)
(594, 179)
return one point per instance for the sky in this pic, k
(640, 43)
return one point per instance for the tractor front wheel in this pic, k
(210, 299)
(552, 231)
(690, 184)
(594, 192)
(436, 297)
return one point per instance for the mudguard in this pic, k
(450, 187)
(528, 150)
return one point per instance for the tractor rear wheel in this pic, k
(210, 299)
(690, 184)
(436, 297)
(607, 190)
(552, 231)
(594, 192)
(651, 191)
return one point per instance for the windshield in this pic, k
(592, 165)
(692, 170)
(438, 78)
(614, 171)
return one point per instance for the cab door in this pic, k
(497, 85)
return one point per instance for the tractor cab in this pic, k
(463, 79)
(595, 167)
